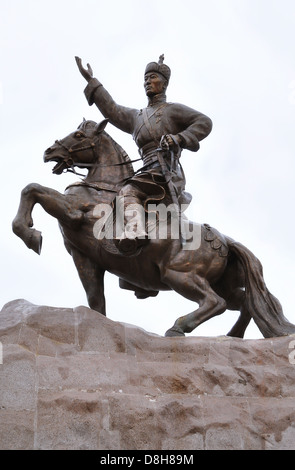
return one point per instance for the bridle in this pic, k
(92, 145)
(71, 150)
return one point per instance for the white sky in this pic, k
(231, 59)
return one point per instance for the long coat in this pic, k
(148, 125)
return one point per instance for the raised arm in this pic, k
(86, 73)
(120, 116)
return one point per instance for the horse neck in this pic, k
(109, 155)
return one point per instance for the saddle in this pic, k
(216, 240)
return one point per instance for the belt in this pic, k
(149, 153)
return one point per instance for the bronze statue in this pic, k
(209, 268)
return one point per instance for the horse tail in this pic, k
(264, 307)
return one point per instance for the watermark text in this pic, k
(156, 221)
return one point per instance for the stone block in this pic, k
(72, 379)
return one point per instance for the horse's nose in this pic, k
(49, 150)
(46, 155)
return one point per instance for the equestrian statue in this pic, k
(133, 223)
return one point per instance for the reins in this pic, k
(70, 163)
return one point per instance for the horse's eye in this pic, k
(78, 135)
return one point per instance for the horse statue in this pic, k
(218, 273)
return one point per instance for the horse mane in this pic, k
(122, 153)
(91, 125)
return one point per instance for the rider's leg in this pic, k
(130, 205)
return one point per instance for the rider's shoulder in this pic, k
(182, 107)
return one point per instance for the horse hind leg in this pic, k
(236, 301)
(239, 328)
(197, 289)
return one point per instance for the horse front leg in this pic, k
(53, 202)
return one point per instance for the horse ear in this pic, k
(100, 127)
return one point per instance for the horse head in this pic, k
(90, 147)
(77, 149)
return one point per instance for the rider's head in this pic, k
(156, 77)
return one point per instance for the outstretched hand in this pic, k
(86, 73)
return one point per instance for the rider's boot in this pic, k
(133, 236)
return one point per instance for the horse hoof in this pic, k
(174, 331)
(35, 241)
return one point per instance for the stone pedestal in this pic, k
(73, 379)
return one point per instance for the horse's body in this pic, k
(218, 274)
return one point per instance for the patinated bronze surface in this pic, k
(200, 263)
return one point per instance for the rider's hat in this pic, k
(159, 67)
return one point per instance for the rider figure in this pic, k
(169, 126)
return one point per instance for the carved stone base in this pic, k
(73, 379)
